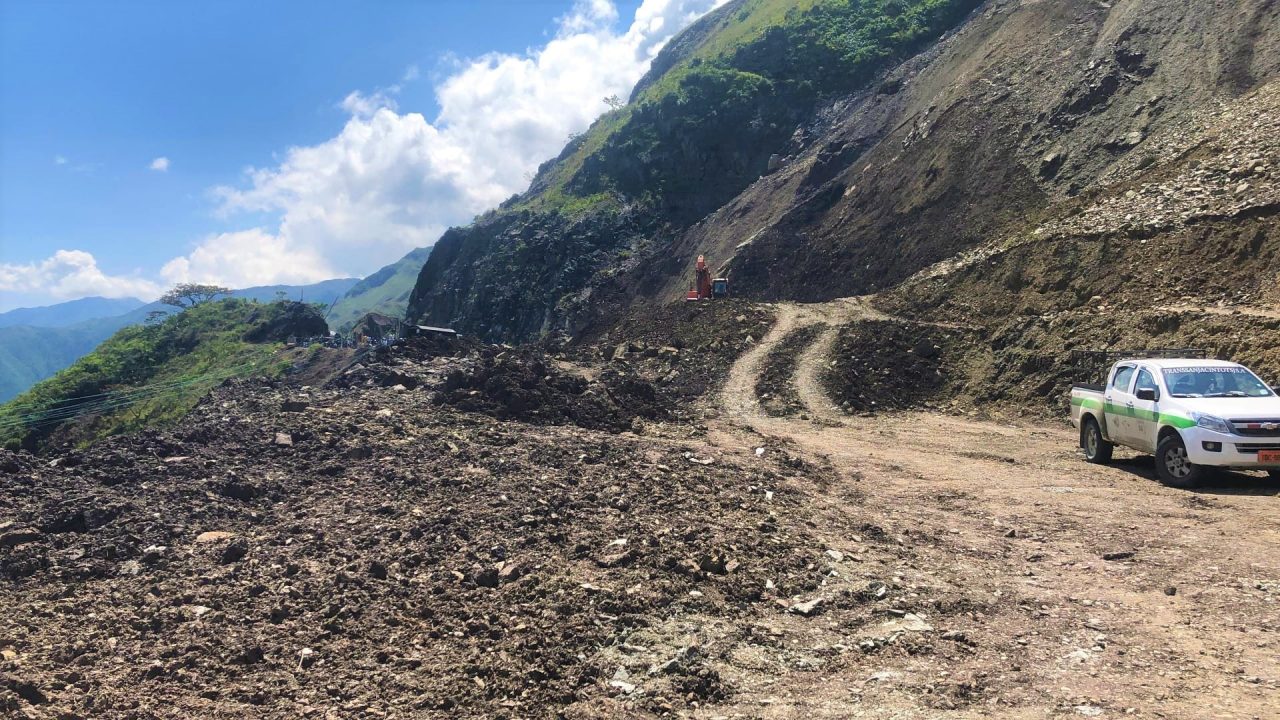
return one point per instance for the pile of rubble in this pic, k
(360, 552)
(1232, 171)
(685, 349)
(508, 383)
(890, 365)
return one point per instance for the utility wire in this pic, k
(103, 402)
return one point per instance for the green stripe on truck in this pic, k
(1177, 421)
(1091, 403)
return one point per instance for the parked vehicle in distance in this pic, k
(1191, 414)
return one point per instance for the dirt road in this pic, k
(1036, 585)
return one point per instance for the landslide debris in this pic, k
(684, 348)
(1181, 255)
(775, 386)
(1029, 363)
(508, 383)
(360, 551)
(893, 365)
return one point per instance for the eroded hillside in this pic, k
(1019, 118)
(733, 91)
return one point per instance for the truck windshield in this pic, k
(1205, 382)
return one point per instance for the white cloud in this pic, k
(70, 274)
(160, 164)
(59, 160)
(358, 104)
(589, 16)
(389, 182)
(248, 258)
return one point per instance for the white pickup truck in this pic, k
(1191, 414)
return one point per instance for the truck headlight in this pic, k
(1213, 422)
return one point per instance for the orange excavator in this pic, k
(704, 286)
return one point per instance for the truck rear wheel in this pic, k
(1174, 466)
(1096, 448)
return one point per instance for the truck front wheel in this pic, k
(1173, 466)
(1096, 449)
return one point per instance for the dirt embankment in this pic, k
(892, 365)
(1179, 251)
(509, 383)
(684, 348)
(1024, 364)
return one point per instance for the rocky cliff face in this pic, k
(517, 275)
(726, 97)
(1024, 121)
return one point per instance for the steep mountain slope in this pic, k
(69, 313)
(1021, 113)
(1028, 105)
(385, 291)
(726, 96)
(1185, 253)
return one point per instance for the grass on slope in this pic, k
(385, 291)
(147, 375)
(735, 98)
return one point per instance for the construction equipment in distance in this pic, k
(706, 287)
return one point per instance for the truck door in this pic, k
(1145, 413)
(1120, 405)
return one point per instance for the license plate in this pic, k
(1269, 457)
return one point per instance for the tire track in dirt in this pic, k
(738, 397)
(1010, 516)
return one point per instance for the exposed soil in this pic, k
(1180, 252)
(509, 384)
(893, 365)
(361, 550)
(685, 348)
(364, 552)
(1044, 586)
(1025, 364)
(775, 389)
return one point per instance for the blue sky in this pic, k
(143, 143)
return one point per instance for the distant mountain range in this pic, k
(35, 343)
(69, 313)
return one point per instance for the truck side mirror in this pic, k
(1148, 394)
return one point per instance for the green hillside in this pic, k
(37, 342)
(737, 94)
(385, 291)
(150, 375)
(30, 354)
